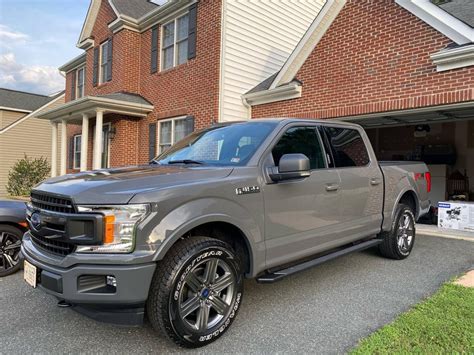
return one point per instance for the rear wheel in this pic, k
(196, 291)
(10, 246)
(398, 242)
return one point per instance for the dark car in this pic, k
(12, 227)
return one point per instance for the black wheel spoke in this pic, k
(211, 270)
(190, 306)
(193, 282)
(203, 317)
(223, 282)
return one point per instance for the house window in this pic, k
(175, 42)
(80, 83)
(173, 130)
(77, 151)
(104, 67)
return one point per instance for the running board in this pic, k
(280, 274)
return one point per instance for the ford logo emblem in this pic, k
(36, 221)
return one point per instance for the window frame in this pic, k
(103, 72)
(80, 89)
(173, 125)
(269, 152)
(323, 131)
(76, 164)
(175, 41)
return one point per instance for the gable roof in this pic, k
(132, 8)
(453, 18)
(32, 114)
(126, 97)
(463, 10)
(22, 101)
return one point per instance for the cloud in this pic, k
(9, 36)
(35, 78)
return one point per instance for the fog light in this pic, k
(111, 281)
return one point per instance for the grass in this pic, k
(443, 323)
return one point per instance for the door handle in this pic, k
(375, 181)
(332, 187)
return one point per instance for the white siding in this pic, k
(257, 38)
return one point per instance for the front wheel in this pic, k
(196, 291)
(398, 242)
(10, 245)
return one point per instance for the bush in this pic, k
(25, 174)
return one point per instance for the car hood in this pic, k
(118, 186)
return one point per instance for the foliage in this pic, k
(25, 174)
(444, 323)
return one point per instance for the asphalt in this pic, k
(323, 310)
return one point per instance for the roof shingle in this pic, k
(461, 9)
(134, 8)
(23, 100)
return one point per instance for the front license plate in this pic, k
(30, 274)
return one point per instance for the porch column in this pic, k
(63, 147)
(84, 141)
(54, 149)
(97, 161)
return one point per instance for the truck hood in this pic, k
(118, 186)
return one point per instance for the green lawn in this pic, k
(444, 323)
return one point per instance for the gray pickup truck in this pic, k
(174, 239)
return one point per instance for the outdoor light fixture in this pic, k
(112, 132)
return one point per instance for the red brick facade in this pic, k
(375, 57)
(191, 88)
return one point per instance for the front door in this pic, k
(105, 146)
(301, 215)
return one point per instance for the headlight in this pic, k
(119, 227)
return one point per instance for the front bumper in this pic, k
(70, 284)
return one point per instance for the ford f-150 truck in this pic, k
(175, 239)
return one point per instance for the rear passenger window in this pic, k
(302, 140)
(348, 148)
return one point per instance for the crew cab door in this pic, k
(302, 215)
(361, 188)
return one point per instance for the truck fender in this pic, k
(392, 200)
(192, 214)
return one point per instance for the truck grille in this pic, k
(52, 203)
(52, 246)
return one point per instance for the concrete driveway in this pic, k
(325, 310)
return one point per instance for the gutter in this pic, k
(292, 90)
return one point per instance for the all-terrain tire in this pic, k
(183, 281)
(398, 243)
(9, 235)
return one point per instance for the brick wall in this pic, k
(373, 58)
(191, 88)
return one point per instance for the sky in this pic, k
(36, 37)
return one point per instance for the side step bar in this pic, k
(280, 274)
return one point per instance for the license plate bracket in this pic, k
(30, 274)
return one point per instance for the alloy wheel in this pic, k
(405, 233)
(207, 294)
(10, 246)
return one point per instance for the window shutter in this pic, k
(192, 27)
(95, 75)
(109, 60)
(189, 125)
(73, 85)
(71, 153)
(154, 49)
(151, 141)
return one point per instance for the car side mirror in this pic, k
(292, 166)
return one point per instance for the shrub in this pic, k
(25, 174)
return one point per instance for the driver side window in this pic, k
(302, 140)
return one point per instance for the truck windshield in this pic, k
(234, 144)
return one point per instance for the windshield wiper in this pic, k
(185, 161)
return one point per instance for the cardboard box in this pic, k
(456, 215)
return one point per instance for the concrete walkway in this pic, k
(434, 231)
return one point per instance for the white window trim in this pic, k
(83, 68)
(101, 53)
(175, 47)
(172, 120)
(74, 151)
(436, 17)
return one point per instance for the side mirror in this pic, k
(292, 166)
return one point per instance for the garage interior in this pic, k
(442, 137)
